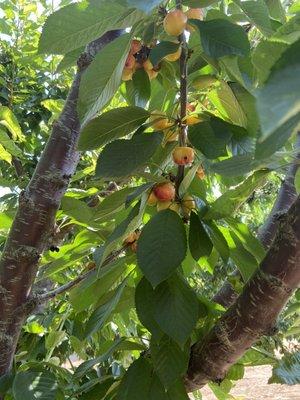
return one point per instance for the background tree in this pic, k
(186, 123)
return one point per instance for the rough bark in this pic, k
(255, 312)
(226, 295)
(35, 218)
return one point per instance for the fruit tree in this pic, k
(150, 210)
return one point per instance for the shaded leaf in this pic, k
(219, 38)
(169, 360)
(199, 242)
(210, 137)
(111, 125)
(102, 78)
(162, 246)
(100, 316)
(144, 303)
(176, 308)
(33, 385)
(122, 157)
(136, 381)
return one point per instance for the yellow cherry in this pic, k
(175, 22)
(183, 155)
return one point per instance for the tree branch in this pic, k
(35, 217)
(255, 312)
(183, 101)
(37, 299)
(226, 295)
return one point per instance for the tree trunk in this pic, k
(255, 312)
(35, 218)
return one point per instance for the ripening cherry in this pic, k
(130, 62)
(164, 191)
(193, 13)
(136, 46)
(183, 155)
(175, 22)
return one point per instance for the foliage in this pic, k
(145, 299)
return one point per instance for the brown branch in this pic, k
(256, 310)
(183, 101)
(226, 295)
(37, 299)
(35, 217)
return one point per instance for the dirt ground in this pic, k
(255, 386)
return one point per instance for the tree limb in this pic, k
(255, 312)
(226, 295)
(35, 217)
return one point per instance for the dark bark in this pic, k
(35, 219)
(226, 295)
(255, 312)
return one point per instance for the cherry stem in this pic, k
(183, 101)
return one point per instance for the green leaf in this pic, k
(287, 370)
(210, 137)
(162, 246)
(278, 101)
(264, 56)
(100, 316)
(97, 285)
(122, 157)
(69, 59)
(9, 144)
(228, 204)
(247, 102)
(223, 98)
(77, 209)
(236, 166)
(97, 88)
(276, 140)
(84, 367)
(136, 382)
(113, 203)
(141, 88)
(219, 38)
(5, 155)
(276, 10)
(76, 25)
(54, 339)
(199, 242)
(129, 224)
(161, 50)
(297, 181)
(144, 303)
(188, 179)
(169, 360)
(9, 120)
(199, 3)
(258, 14)
(244, 260)
(32, 385)
(249, 241)
(111, 125)
(176, 308)
(218, 240)
(146, 6)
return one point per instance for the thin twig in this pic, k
(183, 101)
(36, 299)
